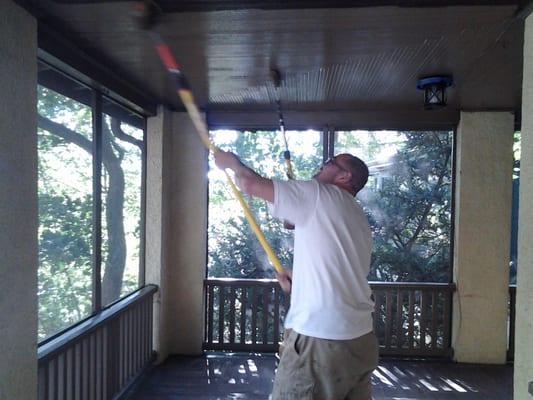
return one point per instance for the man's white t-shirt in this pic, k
(330, 296)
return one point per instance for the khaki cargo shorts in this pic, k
(321, 369)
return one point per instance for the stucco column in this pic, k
(18, 203)
(188, 245)
(482, 236)
(158, 192)
(523, 358)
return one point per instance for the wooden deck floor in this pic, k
(250, 376)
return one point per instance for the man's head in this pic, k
(345, 171)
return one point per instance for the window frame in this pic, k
(98, 94)
(328, 149)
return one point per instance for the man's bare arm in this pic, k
(247, 179)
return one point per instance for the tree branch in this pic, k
(65, 133)
(119, 133)
(427, 209)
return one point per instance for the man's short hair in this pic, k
(359, 172)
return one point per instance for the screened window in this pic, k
(233, 250)
(407, 200)
(65, 211)
(87, 258)
(122, 153)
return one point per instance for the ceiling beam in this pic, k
(171, 6)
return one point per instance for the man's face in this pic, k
(330, 170)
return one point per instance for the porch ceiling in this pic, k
(343, 59)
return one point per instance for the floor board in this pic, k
(249, 377)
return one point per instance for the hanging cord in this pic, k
(276, 77)
(145, 15)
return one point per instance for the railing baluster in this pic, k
(65, 374)
(92, 347)
(399, 319)
(222, 300)
(55, 386)
(512, 316)
(82, 370)
(276, 322)
(434, 319)
(138, 346)
(149, 345)
(131, 342)
(446, 342)
(377, 310)
(411, 327)
(266, 298)
(388, 318)
(254, 315)
(47, 381)
(42, 379)
(423, 317)
(210, 312)
(243, 315)
(74, 372)
(135, 334)
(232, 315)
(101, 364)
(145, 328)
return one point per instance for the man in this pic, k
(331, 350)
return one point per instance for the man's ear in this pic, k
(345, 177)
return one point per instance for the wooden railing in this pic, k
(244, 314)
(99, 358)
(411, 319)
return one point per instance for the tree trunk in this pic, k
(115, 261)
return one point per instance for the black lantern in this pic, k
(434, 90)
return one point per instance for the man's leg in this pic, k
(293, 380)
(321, 369)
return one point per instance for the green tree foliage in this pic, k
(233, 248)
(408, 201)
(65, 151)
(410, 211)
(65, 270)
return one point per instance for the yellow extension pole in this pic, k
(201, 128)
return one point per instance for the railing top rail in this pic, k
(58, 344)
(239, 282)
(413, 285)
(373, 284)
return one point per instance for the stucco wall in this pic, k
(523, 372)
(482, 236)
(158, 191)
(176, 239)
(18, 203)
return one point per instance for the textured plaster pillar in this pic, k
(482, 236)
(158, 192)
(523, 358)
(18, 203)
(188, 246)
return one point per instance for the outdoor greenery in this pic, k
(65, 150)
(407, 200)
(233, 248)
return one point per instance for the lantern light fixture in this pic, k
(434, 90)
